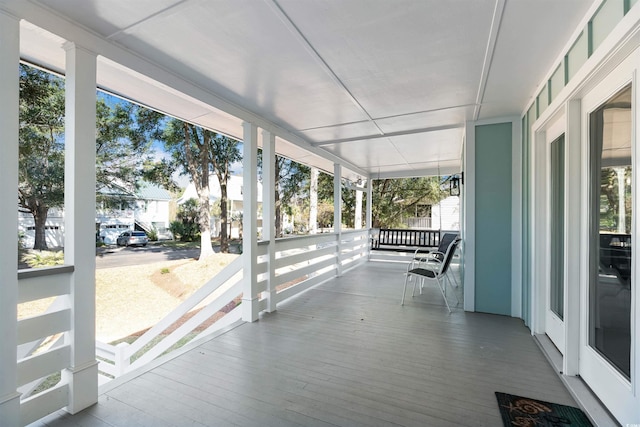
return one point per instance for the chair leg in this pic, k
(444, 296)
(451, 285)
(454, 277)
(404, 290)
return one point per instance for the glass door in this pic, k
(611, 234)
(556, 290)
(606, 356)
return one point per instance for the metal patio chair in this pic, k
(434, 257)
(427, 270)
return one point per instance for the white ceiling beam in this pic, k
(417, 173)
(160, 13)
(488, 55)
(390, 134)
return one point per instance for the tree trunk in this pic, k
(204, 219)
(200, 177)
(224, 218)
(40, 218)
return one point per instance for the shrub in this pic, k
(186, 227)
(153, 235)
(37, 259)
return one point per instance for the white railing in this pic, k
(115, 360)
(37, 361)
(305, 261)
(298, 264)
(418, 222)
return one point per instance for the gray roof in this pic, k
(148, 191)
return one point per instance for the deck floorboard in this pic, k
(344, 353)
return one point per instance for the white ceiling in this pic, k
(383, 86)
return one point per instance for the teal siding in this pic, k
(493, 218)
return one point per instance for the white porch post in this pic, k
(313, 201)
(337, 213)
(357, 223)
(9, 83)
(268, 212)
(80, 226)
(469, 226)
(368, 219)
(250, 303)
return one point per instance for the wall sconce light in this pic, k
(454, 186)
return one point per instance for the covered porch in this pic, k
(342, 353)
(363, 93)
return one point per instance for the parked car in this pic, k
(132, 238)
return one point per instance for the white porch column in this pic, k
(337, 213)
(250, 303)
(80, 226)
(358, 219)
(368, 217)
(313, 201)
(369, 184)
(268, 212)
(469, 226)
(9, 83)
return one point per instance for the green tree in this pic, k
(292, 185)
(198, 152)
(124, 136)
(224, 152)
(186, 227)
(41, 147)
(393, 198)
(123, 144)
(190, 148)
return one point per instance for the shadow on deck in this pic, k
(343, 353)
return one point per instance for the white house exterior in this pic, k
(148, 209)
(234, 200)
(446, 214)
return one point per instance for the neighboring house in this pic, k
(441, 216)
(148, 208)
(446, 214)
(234, 200)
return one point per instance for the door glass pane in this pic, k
(610, 246)
(556, 296)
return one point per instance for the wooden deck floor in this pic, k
(344, 353)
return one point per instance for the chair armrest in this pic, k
(431, 261)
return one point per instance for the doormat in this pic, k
(518, 411)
